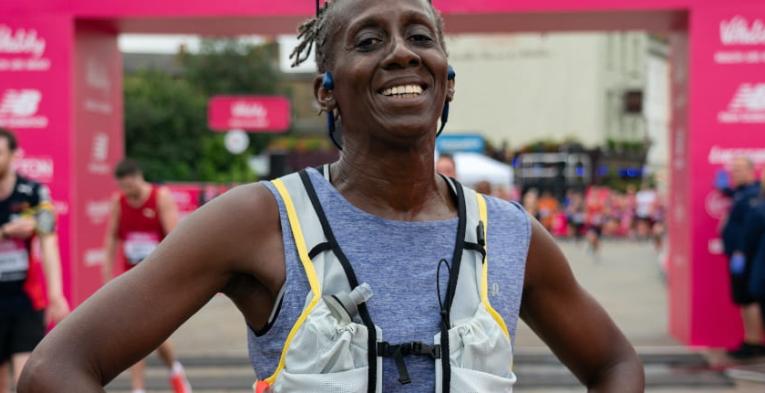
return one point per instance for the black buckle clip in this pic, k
(398, 351)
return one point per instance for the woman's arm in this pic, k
(573, 324)
(128, 318)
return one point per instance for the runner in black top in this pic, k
(26, 211)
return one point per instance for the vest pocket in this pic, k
(465, 380)
(325, 345)
(351, 381)
(327, 356)
(480, 355)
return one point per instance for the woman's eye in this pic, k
(421, 39)
(368, 44)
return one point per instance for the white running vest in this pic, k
(335, 347)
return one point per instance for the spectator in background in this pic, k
(753, 248)
(483, 187)
(507, 193)
(141, 216)
(446, 166)
(657, 217)
(645, 203)
(595, 216)
(744, 192)
(548, 206)
(531, 202)
(575, 214)
(26, 211)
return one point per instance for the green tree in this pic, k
(165, 116)
(164, 125)
(232, 66)
(235, 66)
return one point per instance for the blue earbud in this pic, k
(328, 83)
(451, 75)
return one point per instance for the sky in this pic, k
(169, 44)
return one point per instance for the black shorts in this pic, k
(20, 332)
(739, 286)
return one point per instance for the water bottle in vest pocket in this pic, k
(329, 351)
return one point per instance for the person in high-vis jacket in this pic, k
(370, 274)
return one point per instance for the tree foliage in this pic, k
(166, 116)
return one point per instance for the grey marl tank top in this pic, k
(399, 260)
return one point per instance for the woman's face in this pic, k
(389, 68)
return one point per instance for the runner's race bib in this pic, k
(14, 260)
(139, 245)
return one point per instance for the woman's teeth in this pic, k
(403, 91)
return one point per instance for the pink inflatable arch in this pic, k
(60, 90)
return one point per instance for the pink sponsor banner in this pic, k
(249, 113)
(98, 144)
(727, 119)
(35, 86)
(191, 196)
(186, 196)
(174, 8)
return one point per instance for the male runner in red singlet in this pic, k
(141, 216)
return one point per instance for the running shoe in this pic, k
(747, 351)
(180, 383)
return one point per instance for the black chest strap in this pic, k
(399, 351)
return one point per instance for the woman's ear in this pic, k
(450, 90)
(323, 96)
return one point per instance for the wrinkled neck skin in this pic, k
(395, 180)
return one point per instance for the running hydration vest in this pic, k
(335, 347)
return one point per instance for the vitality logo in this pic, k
(21, 41)
(738, 31)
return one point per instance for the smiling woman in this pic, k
(368, 275)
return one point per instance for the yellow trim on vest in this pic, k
(313, 281)
(484, 215)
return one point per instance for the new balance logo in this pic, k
(19, 107)
(20, 103)
(746, 106)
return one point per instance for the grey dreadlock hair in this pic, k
(313, 33)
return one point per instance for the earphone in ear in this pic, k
(328, 83)
(450, 76)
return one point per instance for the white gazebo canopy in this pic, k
(475, 167)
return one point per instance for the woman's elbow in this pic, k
(626, 375)
(38, 376)
(50, 371)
